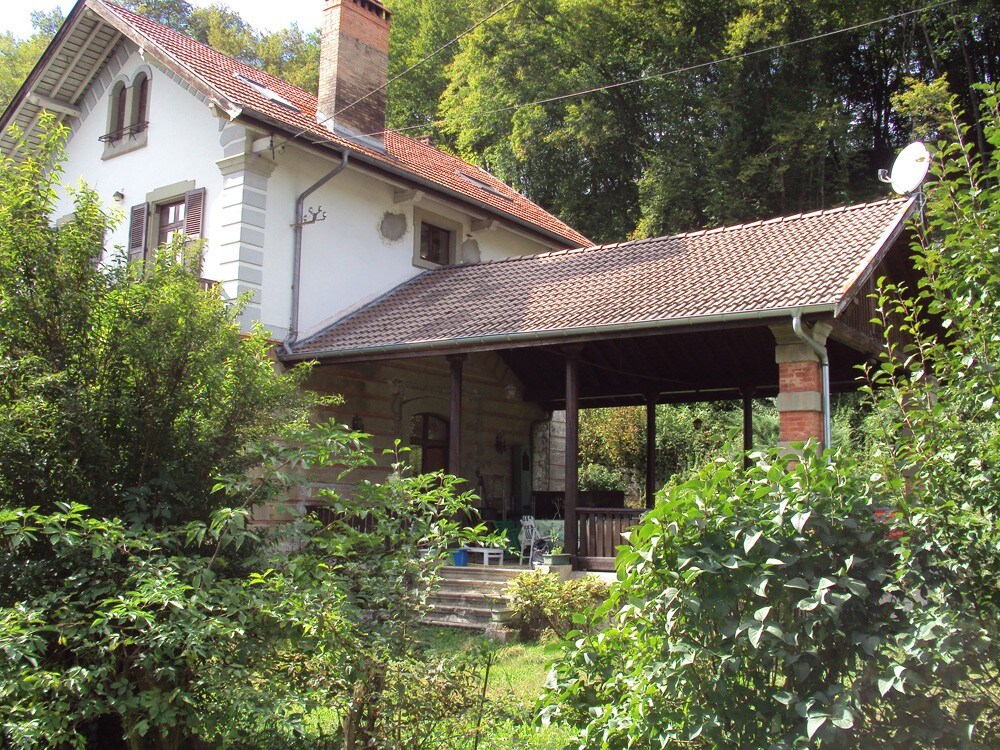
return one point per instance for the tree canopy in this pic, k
(699, 113)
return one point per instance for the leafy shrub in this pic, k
(543, 601)
(745, 611)
(600, 477)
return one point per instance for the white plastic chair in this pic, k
(527, 536)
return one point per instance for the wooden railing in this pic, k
(600, 533)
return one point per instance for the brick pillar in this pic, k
(800, 398)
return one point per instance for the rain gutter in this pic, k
(824, 359)
(293, 325)
(515, 340)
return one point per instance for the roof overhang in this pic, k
(75, 56)
(558, 337)
(406, 179)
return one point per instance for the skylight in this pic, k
(264, 91)
(483, 186)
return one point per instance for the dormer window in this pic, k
(128, 108)
(435, 241)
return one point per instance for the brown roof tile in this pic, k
(401, 152)
(808, 261)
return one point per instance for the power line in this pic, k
(409, 70)
(675, 71)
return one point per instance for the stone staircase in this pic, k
(468, 596)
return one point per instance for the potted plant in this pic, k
(556, 556)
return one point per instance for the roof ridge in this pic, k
(777, 219)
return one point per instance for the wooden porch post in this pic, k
(747, 425)
(455, 425)
(572, 449)
(650, 449)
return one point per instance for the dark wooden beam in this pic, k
(455, 427)
(747, 426)
(650, 449)
(854, 339)
(572, 448)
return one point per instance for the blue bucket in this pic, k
(460, 557)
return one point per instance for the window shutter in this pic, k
(194, 213)
(137, 233)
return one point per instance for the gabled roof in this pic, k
(64, 77)
(814, 262)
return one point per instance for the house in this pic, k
(448, 309)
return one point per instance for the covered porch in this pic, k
(776, 309)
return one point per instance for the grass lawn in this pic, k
(517, 675)
(516, 679)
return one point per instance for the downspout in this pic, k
(825, 362)
(293, 325)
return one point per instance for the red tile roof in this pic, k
(810, 261)
(401, 153)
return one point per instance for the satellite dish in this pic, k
(909, 169)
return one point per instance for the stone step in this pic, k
(459, 617)
(482, 572)
(464, 585)
(466, 598)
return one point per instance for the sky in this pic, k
(261, 14)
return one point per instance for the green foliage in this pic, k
(138, 429)
(18, 56)
(123, 389)
(600, 477)
(745, 612)
(543, 601)
(802, 126)
(937, 432)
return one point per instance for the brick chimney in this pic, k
(353, 62)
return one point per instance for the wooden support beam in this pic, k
(747, 425)
(572, 449)
(650, 449)
(455, 426)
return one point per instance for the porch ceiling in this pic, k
(677, 367)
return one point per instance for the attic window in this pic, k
(483, 185)
(264, 91)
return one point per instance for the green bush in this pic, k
(745, 611)
(600, 477)
(542, 601)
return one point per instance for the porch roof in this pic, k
(735, 275)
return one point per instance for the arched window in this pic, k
(429, 442)
(140, 96)
(119, 103)
(128, 114)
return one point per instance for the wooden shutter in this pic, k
(194, 213)
(137, 233)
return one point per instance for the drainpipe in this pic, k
(825, 362)
(293, 325)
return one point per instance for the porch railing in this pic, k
(600, 533)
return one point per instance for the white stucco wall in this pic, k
(249, 204)
(182, 145)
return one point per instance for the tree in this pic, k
(18, 56)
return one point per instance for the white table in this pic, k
(488, 553)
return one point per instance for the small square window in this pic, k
(435, 244)
(435, 239)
